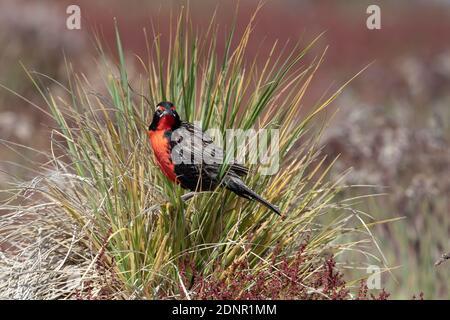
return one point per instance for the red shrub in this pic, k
(293, 279)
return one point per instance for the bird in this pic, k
(174, 141)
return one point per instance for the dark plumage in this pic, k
(173, 140)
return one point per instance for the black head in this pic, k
(165, 117)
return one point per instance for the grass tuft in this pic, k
(101, 221)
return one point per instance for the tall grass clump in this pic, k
(99, 220)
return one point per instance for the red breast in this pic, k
(161, 149)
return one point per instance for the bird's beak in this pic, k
(166, 113)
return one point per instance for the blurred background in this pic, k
(393, 124)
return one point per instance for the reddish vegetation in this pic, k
(363, 293)
(295, 278)
(291, 279)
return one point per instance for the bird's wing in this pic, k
(199, 148)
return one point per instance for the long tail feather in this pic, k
(238, 186)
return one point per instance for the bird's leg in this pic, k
(185, 197)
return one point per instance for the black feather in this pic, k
(189, 140)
